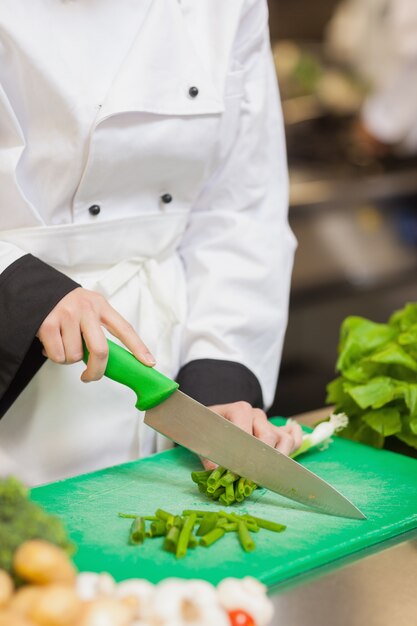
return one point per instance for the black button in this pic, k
(94, 209)
(193, 92)
(166, 198)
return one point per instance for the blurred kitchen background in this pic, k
(348, 78)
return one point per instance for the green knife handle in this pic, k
(150, 386)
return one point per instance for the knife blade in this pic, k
(194, 426)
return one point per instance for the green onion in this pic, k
(207, 524)
(216, 495)
(211, 537)
(178, 521)
(202, 476)
(158, 528)
(196, 511)
(171, 539)
(167, 517)
(214, 484)
(178, 530)
(216, 475)
(263, 523)
(137, 531)
(185, 535)
(230, 493)
(228, 478)
(245, 539)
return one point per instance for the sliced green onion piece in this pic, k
(185, 535)
(211, 537)
(230, 493)
(245, 539)
(229, 478)
(268, 525)
(158, 528)
(171, 539)
(202, 476)
(137, 531)
(207, 524)
(216, 475)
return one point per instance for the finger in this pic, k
(296, 432)
(97, 347)
(208, 465)
(124, 331)
(263, 429)
(72, 340)
(239, 413)
(50, 337)
(285, 442)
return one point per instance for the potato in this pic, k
(10, 618)
(24, 599)
(41, 562)
(6, 588)
(106, 612)
(56, 605)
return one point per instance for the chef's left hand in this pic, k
(286, 438)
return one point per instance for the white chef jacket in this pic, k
(142, 152)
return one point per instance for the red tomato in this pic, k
(240, 618)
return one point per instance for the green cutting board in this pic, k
(382, 484)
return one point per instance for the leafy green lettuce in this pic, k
(377, 386)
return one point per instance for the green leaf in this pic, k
(375, 394)
(360, 431)
(386, 422)
(378, 385)
(409, 438)
(413, 426)
(337, 394)
(392, 354)
(405, 318)
(408, 337)
(359, 372)
(409, 394)
(358, 337)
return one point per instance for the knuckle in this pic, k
(48, 326)
(66, 313)
(242, 405)
(100, 352)
(99, 299)
(75, 357)
(57, 358)
(285, 437)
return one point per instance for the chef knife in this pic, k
(194, 426)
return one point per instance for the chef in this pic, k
(143, 194)
(379, 39)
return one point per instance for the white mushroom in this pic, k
(90, 585)
(105, 612)
(247, 594)
(140, 590)
(106, 585)
(178, 602)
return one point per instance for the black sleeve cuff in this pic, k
(212, 381)
(29, 290)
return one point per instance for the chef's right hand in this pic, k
(81, 314)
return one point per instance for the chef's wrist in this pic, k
(216, 381)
